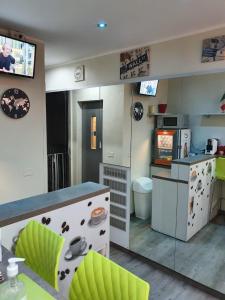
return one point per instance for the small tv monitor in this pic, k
(17, 57)
(148, 88)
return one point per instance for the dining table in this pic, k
(37, 287)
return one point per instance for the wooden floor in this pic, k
(163, 286)
(202, 258)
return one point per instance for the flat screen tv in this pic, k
(148, 88)
(17, 57)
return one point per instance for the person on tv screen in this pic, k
(6, 59)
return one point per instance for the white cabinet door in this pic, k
(164, 203)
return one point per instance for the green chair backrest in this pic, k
(41, 247)
(98, 278)
(220, 168)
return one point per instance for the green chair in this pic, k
(98, 278)
(41, 247)
(220, 168)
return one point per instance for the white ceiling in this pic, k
(68, 27)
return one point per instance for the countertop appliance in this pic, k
(172, 121)
(170, 144)
(211, 147)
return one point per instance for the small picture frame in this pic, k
(79, 73)
(135, 63)
(213, 49)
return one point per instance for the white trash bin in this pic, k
(142, 188)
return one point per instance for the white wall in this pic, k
(197, 95)
(23, 164)
(116, 126)
(168, 59)
(76, 127)
(142, 132)
(113, 123)
(180, 57)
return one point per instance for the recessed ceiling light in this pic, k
(102, 25)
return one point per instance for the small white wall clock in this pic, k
(79, 73)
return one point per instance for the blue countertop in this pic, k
(15, 211)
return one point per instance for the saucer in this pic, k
(69, 256)
(91, 224)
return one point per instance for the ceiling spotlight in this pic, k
(102, 25)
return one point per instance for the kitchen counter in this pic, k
(188, 161)
(193, 159)
(166, 176)
(29, 207)
(182, 202)
(69, 213)
(160, 166)
(27, 271)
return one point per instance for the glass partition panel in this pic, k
(200, 229)
(153, 200)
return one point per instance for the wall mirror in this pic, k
(123, 146)
(157, 235)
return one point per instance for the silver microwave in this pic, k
(172, 121)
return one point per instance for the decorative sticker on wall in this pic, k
(15, 103)
(213, 49)
(135, 63)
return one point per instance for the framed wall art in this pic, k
(135, 63)
(213, 49)
(79, 73)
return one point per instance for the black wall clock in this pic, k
(137, 111)
(15, 103)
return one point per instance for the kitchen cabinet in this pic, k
(182, 202)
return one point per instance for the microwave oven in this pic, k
(172, 121)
